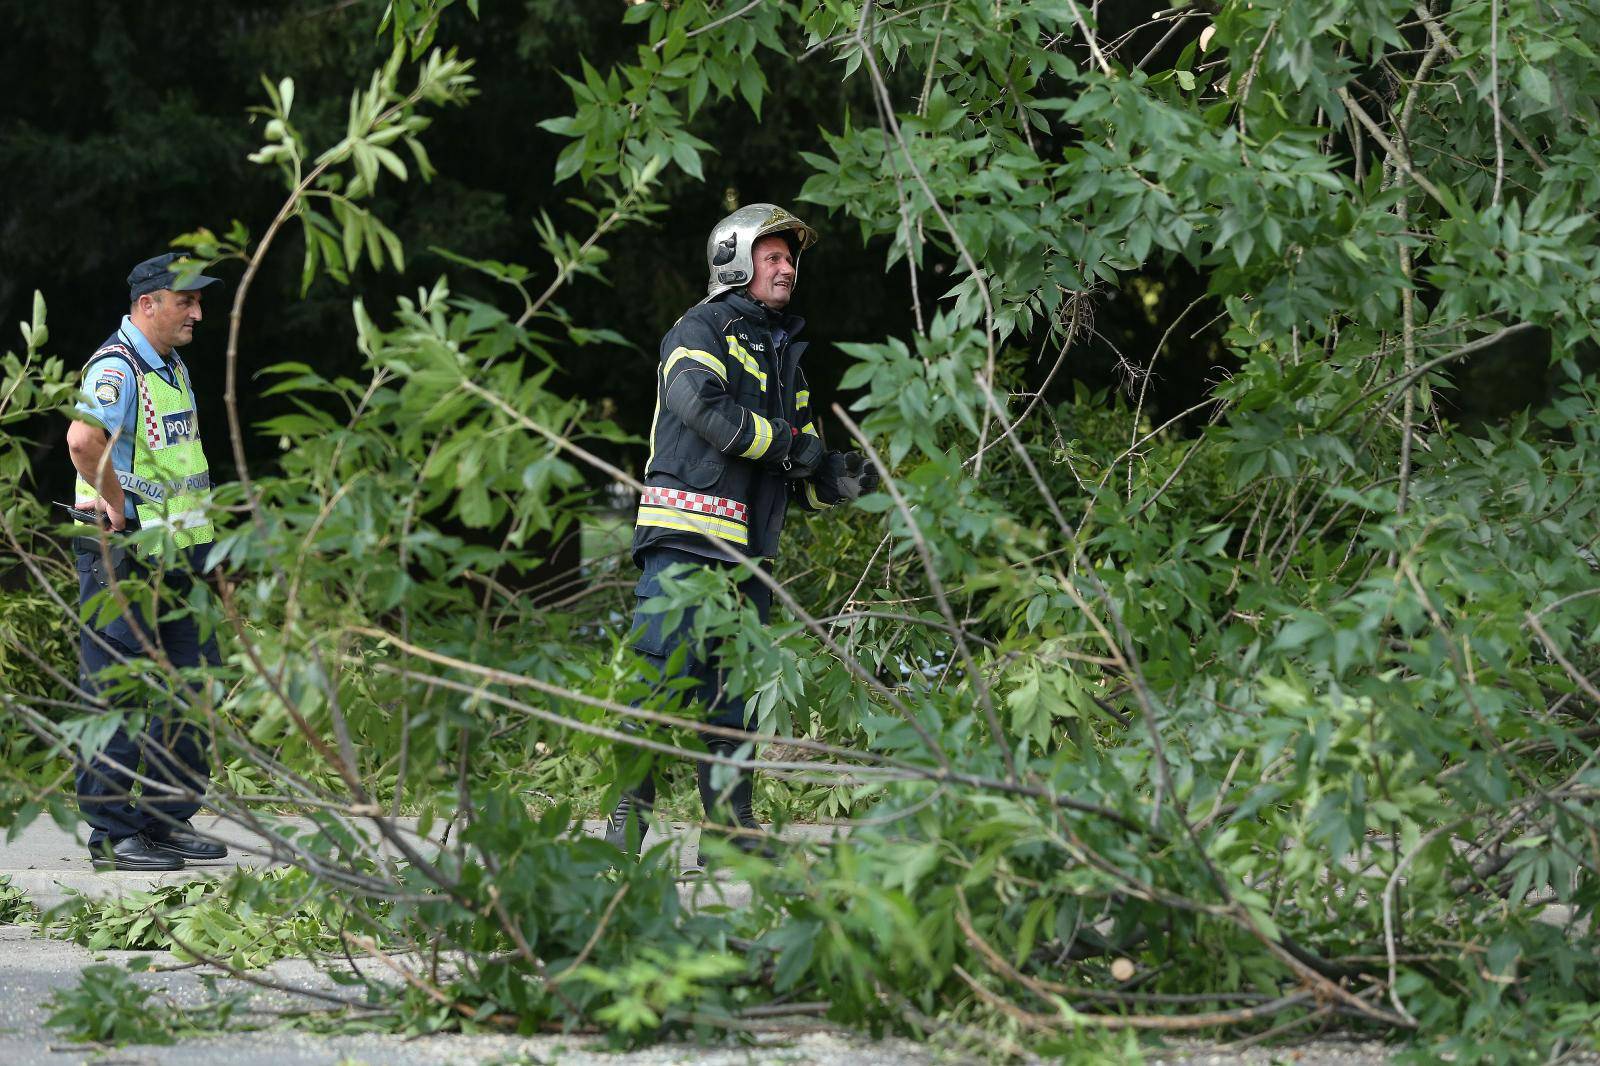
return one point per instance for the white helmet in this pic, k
(729, 249)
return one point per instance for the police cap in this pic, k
(159, 273)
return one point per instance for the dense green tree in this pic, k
(1275, 687)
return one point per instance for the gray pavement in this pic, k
(51, 864)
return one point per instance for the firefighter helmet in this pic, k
(729, 250)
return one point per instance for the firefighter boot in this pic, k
(733, 808)
(626, 827)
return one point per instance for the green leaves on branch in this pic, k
(415, 22)
(247, 921)
(647, 989)
(633, 120)
(107, 1006)
(380, 117)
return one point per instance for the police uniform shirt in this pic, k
(109, 395)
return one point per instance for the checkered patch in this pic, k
(695, 502)
(152, 424)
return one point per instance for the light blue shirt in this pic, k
(109, 394)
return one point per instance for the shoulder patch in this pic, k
(108, 390)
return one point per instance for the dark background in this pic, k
(127, 124)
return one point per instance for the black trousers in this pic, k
(168, 749)
(657, 644)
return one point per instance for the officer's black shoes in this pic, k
(134, 853)
(628, 824)
(184, 843)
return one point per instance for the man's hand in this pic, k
(848, 476)
(114, 516)
(89, 448)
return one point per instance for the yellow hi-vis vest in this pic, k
(170, 478)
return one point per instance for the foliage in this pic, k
(15, 907)
(107, 1006)
(598, 936)
(34, 655)
(246, 922)
(1293, 712)
(645, 988)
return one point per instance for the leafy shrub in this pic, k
(15, 907)
(107, 1006)
(646, 989)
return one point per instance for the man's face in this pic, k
(775, 276)
(172, 317)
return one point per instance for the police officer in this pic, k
(140, 465)
(734, 441)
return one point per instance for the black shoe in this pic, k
(733, 809)
(133, 853)
(634, 807)
(184, 842)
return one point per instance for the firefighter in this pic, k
(733, 442)
(136, 449)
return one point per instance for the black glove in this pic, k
(866, 474)
(847, 476)
(805, 453)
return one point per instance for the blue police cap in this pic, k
(158, 273)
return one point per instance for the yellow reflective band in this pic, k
(655, 418)
(746, 360)
(812, 498)
(668, 518)
(809, 427)
(679, 354)
(802, 398)
(762, 439)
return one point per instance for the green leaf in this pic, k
(752, 84)
(1298, 633)
(1536, 83)
(686, 156)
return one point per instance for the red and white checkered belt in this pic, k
(695, 502)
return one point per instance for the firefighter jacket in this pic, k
(729, 391)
